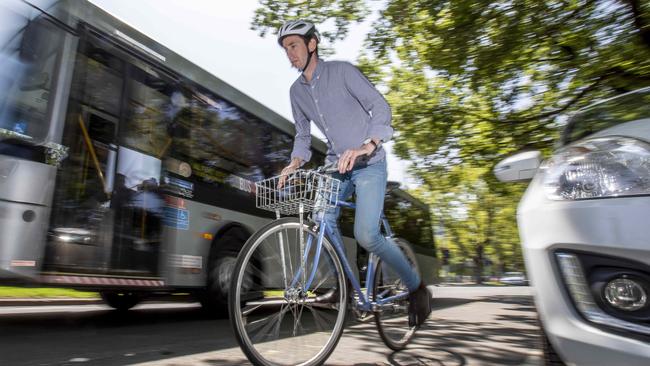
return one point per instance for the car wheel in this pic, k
(551, 358)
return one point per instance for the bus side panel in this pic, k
(429, 267)
(26, 189)
(187, 250)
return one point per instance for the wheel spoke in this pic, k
(320, 318)
(252, 306)
(263, 325)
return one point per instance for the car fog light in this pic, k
(625, 294)
(576, 283)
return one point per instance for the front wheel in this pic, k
(392, 319)
(278, 316)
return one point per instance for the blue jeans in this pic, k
(369, 183)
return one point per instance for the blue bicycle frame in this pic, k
(364, 302)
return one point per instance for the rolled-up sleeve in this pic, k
(372, 101)
(302, 141)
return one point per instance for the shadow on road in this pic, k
(456, 334)
(443, 303)
(503, 339)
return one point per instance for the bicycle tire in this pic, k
(238, 320)
(394, 332)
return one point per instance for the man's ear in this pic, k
(311, 46)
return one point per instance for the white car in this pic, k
(513, 278)
(584, 223)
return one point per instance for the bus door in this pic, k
(108, 205)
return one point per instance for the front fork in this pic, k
(300, 278)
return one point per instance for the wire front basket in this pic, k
(313, 190)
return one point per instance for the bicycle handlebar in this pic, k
(328, 168)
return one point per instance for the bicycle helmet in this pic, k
(298, 27)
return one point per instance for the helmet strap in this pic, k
(309, 54)
(308, 61)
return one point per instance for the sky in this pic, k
(216, 35)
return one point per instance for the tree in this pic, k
(510, 66)
(472, 81)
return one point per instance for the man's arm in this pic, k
(302, 143)
(301, 152)
(294, 164)
(372, 101)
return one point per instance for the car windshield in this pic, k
(626, 108)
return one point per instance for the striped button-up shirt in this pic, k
(344, 105)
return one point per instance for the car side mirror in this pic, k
(519, 167)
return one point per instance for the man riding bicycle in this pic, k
(356, 119)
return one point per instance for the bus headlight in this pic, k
(599, 168)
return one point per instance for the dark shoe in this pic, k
(419, 306)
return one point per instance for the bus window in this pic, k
(151, 103)
(99, 83)
(409, 220)
(222, 140)
(27, 65)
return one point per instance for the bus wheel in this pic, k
(121, 301)
(221, 265)
(215, 298)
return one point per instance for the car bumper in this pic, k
(616, 227)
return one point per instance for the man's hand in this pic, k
(346, 161)
(289, 169)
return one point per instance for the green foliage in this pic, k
(339, 14)
(470, 82)
(45, 292)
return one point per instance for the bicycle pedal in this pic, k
(362, 316)
(365, 317)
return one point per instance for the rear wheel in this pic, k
(278, 317)
(121, 301)
(393, 320)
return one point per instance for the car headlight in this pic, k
(598, 168)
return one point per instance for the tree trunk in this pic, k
(478, 265)
(640, 21)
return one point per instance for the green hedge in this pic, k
(42, 292)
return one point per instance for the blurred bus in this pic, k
(126, 169)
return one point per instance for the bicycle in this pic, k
(289, 291)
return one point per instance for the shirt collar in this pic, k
(319, 69)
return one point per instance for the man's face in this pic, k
(296, 50)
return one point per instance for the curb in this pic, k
(48, 301)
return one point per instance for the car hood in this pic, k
(639, 129)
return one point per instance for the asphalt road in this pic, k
(469, 326)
